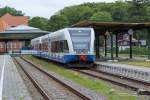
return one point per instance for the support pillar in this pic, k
(6, 51)
(148, 42)
(130, 38)
(105, 37)
(111, 46)
(27, 42)
(116, 44)
(97, 46)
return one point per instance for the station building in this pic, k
(15, 34)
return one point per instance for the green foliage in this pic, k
(101, 17)
(120, 11)
(57, 22)
(137, 11)
(38, 22)
(75, 14)
(137, 63)
(136, 51)
(140, 35)
(10, 10)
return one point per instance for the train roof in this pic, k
(35, 39)
(79, 28)
(45, 36)
(61, 30)
(41, 37)
(72, 28)
(75, 28)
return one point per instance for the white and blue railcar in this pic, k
(45, 46)
(69, 45)
(36, 46)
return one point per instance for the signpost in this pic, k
(130, 32)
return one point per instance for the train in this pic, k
(71, 46)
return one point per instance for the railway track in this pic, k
(140, 87)
(64, 90)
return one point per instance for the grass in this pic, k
(96, 85)
(137, 63)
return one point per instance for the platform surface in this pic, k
(141, 68)
(12, 86)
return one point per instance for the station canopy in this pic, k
(21, 32)
(102, 27)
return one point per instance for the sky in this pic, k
(43, 8)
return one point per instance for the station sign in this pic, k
(130, 32)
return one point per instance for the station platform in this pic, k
(141, 68)
(131, 71)
(12, 86)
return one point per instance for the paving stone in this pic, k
(13, 85)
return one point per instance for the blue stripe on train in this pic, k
(65, 58)
(72, 58)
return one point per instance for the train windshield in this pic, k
(81, 40)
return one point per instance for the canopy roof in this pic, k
(112, 26)
(22, 32)
(22, 28)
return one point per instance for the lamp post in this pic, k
(130, 32)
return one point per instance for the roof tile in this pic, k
(13, 21)
(3, 25)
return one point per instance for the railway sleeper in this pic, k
(143, 92)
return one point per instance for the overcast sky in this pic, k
(44, 8)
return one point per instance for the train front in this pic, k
(81, 45)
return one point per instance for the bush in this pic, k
(136, 50)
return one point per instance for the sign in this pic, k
(130, 32)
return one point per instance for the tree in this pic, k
(137, 10)
(147, 13)
(120, 11)
(57, 22)
(75, 14)
(10, 10)
(101, 17)
(38, 22)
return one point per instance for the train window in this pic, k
(44, 46)
(59, 46)
(65, 47)
(81, 40)
(81, 47)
